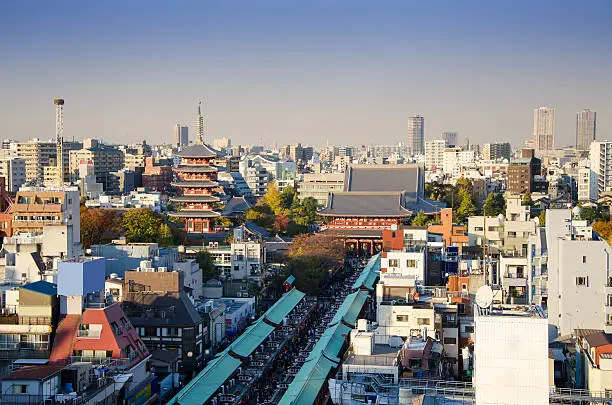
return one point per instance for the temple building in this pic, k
(375, 198)
(197, 183)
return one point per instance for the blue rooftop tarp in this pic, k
(369, 274)
(41, 287)
(218, 370)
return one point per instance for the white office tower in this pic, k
(586, 124)
(511, 356)
(544, 129)
(416, 135)
(601, 159)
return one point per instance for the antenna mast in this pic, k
(59, 139)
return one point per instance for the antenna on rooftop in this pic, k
(484, 297)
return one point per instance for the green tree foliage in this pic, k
(598, 213)
(287, 197)
(165, 236)
(207, 265)
(466, 207)
(527, 199)
(99, 226)
(308, 272)
(223, 222)
(141, 225)
(542, 218)
(273, 198)
(261, 214)
(494, 205)
(420, 219)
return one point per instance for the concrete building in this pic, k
(511, 356)
(319, 185)
(450, 138)
(543, 129)
(180, 134)
(586, 129)
(14, 172)
(105, 160)
(496, 151)
(416, 135)
(522, 173)
(587, 185)
(37, 207)
(37, 155)
(434, 154)
(601, 167)
(579, 277)
(455, 159)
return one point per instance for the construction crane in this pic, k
(59, 139)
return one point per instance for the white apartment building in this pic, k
(511, 357)
(434, 154)
(587, 185)
(14, 172)
(544, 129)
(455, 159)
(192, 275)
(601, 167)
(579, 275)
(319, 185)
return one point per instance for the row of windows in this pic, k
(396, 263)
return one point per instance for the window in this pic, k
(402, 318)
(393, 263)
(478, 229)
(583, 259)
(423, 321)
(125, 323)
(411, 263)
(582, 281)
(116, 328)
(464, 287)
(469, 329)
(609, 300)
(450, 341)
(20, 389)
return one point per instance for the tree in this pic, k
(542, 218)
(281, 223)
(463, 183)
(273, 198)
(527, 199)
(207, 265)
(98, 226)
(328, 249)
(466, 208)
(420, 219)
(309, 273)
(141, 225)
(288, 197)
(261, 214)
(494, 205)
(598, 213)
(165, 236)
(223, 222)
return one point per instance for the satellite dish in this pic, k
(484, 297)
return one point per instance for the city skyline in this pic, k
(277, 72)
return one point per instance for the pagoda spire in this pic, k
(200, 126)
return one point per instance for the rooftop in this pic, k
(382, 355)
(37, 372)
(527, 311)
(41, 287)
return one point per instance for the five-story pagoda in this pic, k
(197, 184)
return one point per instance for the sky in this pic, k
(315, 72)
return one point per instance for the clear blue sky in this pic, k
(346, 71)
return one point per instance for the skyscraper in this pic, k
(543, 129)
(586, 123)
(416, 134)
(450, 138)
(181, 135)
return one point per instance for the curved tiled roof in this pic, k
(199, 150)
(366, 204)
(195, 198)
(196, 169)
(194, 214)
(194, 183)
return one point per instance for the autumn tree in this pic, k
(261, 214)
(542, 218)
(141, 225)
(98, 226)
(273, 198)
(604, 229)
(527, 199)
(328, 249)
(165, 236)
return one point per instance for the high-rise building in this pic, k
(586, 123)
(601, 159)
(181, 135)
(522, 173)
(544, 129)
(494, 151)
(434, 154)
(416, 134)
(450, 138)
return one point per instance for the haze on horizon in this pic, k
(349, 72)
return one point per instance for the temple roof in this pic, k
(195, 169)
(194, 214)
(366, 204)
(194, 183)
(195, 198)
(199, 150)
(388, 178)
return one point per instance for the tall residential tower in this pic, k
(416, 134)
(181, 135)
(543, 129)
(586, 123)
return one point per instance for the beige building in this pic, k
(14, 172)
(37, 156)
(105, 159)
(319, 185)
